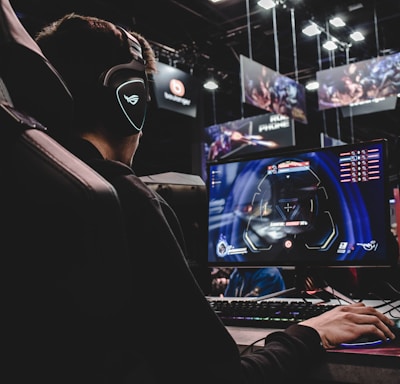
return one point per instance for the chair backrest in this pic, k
(63, 252)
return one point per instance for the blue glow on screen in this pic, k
(324, 207)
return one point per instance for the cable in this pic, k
(392, 288)
(389, 304)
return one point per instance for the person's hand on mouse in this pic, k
(346, 323)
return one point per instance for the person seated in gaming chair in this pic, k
(105, 68)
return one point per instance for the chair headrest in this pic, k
(33, 84)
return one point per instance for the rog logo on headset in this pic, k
(132, 99)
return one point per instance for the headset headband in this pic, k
(137, 63)
(136, 48)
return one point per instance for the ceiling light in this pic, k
(330, 45)
(337, 22)
(312, 30)
(312, 85)
(357, 36)
(267, 4)
(210, 85)
(354, 7)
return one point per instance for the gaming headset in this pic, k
(126, 91)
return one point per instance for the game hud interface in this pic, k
(322, 207)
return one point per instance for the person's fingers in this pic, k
(349, 322)
(372, 320)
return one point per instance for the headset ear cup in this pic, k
(125, 101)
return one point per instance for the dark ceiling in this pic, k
(201, 34)
(204, 38)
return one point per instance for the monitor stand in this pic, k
(307, 281)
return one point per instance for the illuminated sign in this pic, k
(175, 90)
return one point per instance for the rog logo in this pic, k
(132, 99)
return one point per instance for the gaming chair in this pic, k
(63, 247)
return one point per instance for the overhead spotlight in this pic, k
(355, 7)
(267, 4)
(312, 30)
(337, 22)
(357, 36)
(312, 85)
(330, 45)
(210, 85)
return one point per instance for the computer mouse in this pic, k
(396, 328)
(366, 341)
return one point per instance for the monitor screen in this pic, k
(325, 207)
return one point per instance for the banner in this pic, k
(247, 136)
(266, 89)
(363, 87)
(176, 90)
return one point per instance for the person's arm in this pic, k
(286, 357)
(290, 354)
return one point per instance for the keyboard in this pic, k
(266, 313)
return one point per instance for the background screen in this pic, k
(368, 86)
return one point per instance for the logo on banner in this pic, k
(177, 87)
(176, 90)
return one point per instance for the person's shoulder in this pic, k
(121, 177)
(109, 168)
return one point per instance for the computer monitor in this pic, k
(323, 207)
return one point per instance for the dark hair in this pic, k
(81, 48)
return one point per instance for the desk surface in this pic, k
(376, 365)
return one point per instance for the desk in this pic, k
(341, 366)
(367, 366)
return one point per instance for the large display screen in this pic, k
(237, 138)
(269, 90)
(321, 207)
(367, 86)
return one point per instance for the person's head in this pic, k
(105, 68)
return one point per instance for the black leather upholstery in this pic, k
(31, 81)
(64, 264)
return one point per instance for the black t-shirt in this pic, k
(168, 325)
